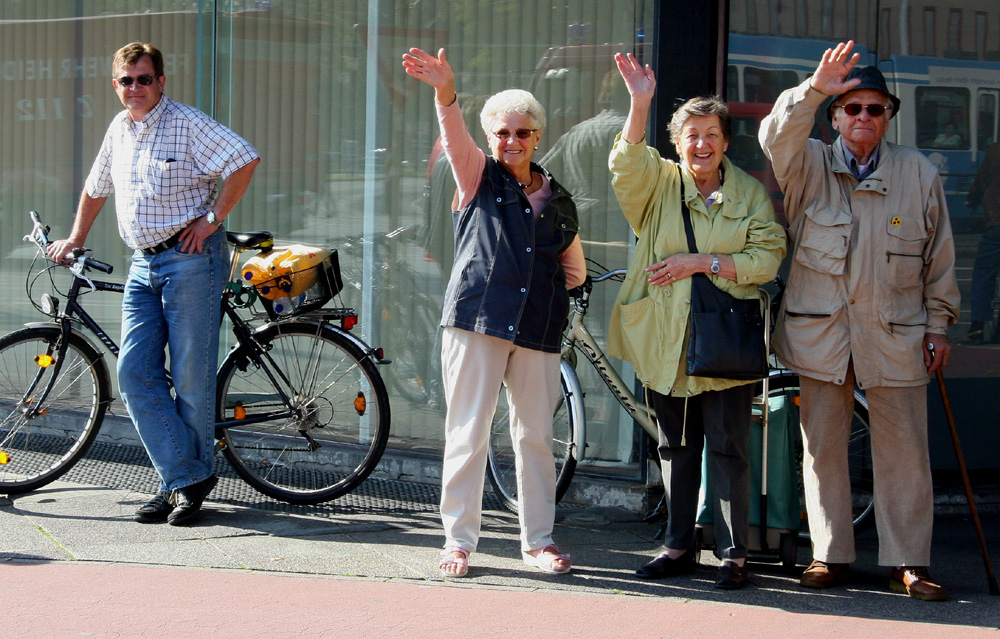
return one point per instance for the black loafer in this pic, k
(663, 566)
(155, 510)
(731, 576)
(187, 501)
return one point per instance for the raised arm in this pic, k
(641, 84)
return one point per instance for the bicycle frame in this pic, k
(75, 311)
(579, 338)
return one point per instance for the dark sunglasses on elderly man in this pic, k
(521, 134)
(145, 80)
(853, 109)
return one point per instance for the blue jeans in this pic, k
(172, 302)
(984, 275)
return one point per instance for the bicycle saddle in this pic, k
(250, 239)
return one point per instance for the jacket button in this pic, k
(527, 210)
(510, 328)
(499, 200)
(524, 290)
(528, 249)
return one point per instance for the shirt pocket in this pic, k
(904, 251)
(172, 177)
(823, 242)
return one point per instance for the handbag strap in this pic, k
(688, 229)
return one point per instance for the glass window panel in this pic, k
(942, 118)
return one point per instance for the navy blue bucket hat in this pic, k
(871, 78)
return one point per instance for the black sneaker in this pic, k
(187, 501)
(155, 510)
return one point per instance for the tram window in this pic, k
(942, 115)
(765, 85)
(987, 131)
(744, 150)
(732, 82)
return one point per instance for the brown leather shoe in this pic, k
(820, 574)
(918, 583)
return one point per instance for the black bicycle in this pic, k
(302, 413)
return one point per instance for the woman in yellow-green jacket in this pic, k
(740, 245)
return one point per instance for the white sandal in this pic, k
(546, 558)
(450, 557)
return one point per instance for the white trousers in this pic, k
(473, 367)
(904, 495)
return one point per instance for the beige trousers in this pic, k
(904, 497)
(473, 367)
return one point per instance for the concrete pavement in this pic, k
(74, 564)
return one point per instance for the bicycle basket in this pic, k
(292, 285)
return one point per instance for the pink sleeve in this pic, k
(467, 160)
(574, 264)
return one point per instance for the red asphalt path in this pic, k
(66, 599)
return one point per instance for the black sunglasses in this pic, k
(853, 109)
(145, 80)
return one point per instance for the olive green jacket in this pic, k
(649, 323)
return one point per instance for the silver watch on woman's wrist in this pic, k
(715, 265)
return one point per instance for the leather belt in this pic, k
(165, 245)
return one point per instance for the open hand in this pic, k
(640, 81)
(833, 67)
(436, 72)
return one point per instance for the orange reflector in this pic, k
(4, 458)
(360, 403)
(797, 400)
(44, 360)
(239, 412)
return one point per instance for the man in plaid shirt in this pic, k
(162, 160)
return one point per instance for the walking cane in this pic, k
(994, 590)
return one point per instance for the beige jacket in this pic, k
(649, 323)
(873, 263)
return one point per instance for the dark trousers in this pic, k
(720, 420)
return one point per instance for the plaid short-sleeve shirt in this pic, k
(164, 169)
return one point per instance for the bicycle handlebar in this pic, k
(40, 236)
(618, 272)
(90, 262)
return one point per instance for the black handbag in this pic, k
(726, 333)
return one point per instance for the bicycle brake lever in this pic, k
(76, 268)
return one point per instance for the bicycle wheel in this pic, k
(331, 433)
(786, 384)
(501, 467)
(48, 419)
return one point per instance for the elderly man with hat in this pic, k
(871, 292)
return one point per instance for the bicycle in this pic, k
(302, 412)
(570, 431)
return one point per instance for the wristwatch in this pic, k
(210, 218)
(715, 265)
